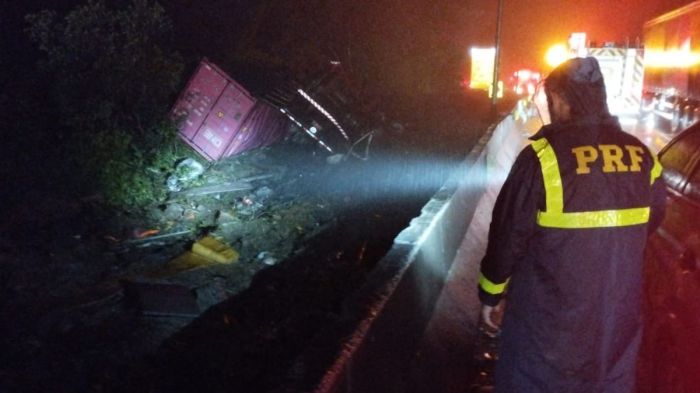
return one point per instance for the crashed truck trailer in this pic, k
(219, 118)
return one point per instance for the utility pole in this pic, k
(496, 60)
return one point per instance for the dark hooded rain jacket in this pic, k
(573, 282)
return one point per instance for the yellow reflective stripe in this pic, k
(594, 219)
(656, 170)
(554, 216)
(490, 287)
(550, 172)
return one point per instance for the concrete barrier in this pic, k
(445, 360)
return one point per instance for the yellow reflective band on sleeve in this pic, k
(554, 216)
(594, 219)
(490, 287)
(550, 173)
(656, 170)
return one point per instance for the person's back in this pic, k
(569, 230)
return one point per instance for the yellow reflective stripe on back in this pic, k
(594, 219)
(554, 216)
(550, 172)
(490, 287)
(656, 170)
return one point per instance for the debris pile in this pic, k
(89, 278)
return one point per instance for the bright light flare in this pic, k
(530, 89)
(557, 54)
(525, 81)
(482, 60)
(673, 58)
(681, 57)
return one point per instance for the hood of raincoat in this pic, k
(580, 82)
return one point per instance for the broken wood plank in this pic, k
(258, 177)
(215, 189)
(157, 237)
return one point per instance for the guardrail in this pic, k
(385, 321)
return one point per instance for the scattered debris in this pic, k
(173, 211)
(187, 261)
(212, 248)
(146, 233)
(248, 205)
(263, 193)
(186, 171)
(335, 159)
(267, 258)
(367, 139)
(215, 189)
(147, 240)
(261, 207)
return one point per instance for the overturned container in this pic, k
(219, 118)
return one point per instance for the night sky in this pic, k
(529, 27)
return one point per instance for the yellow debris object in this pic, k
(184, 262)
(212, 248)
(205, 252)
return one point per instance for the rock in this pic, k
(226, 217)
(247, 206)
(267, 258)
(263, 193)
(173, 212)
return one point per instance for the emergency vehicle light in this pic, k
(557, 54)
(673, 58)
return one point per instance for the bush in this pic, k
(109, 67)
(112, 78)
(131, 173)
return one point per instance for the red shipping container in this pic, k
(211, 110)
(263, 126)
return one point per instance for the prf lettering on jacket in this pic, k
(615, 158)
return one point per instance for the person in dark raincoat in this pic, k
(566, 246)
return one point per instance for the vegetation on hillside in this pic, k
(112, 74)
